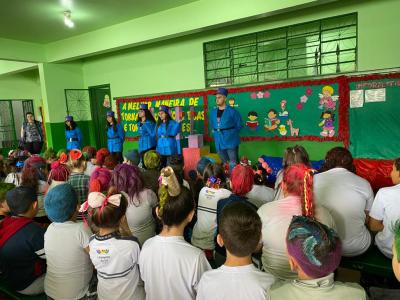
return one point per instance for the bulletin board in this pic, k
(374, 116)
(128, 107)
(303, 110)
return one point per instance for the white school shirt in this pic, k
(42, 190)
(276, 217)
(205, 228)
(14, 178)
(116, 261)
(386, 208)
(239, 283)
(259, 195)
(139, 216)
(89, 168)
(171, 268)
(69, 268)
(346, 196)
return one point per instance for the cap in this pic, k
(144, 106)
(222, 91)
(164, 108)
(110, 113)
(69, 118)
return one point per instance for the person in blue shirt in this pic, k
(166, 132)
(147, 125)
(226, 123)
(73, 134)
(115, 136)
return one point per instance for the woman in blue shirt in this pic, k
(147, 125)
(167, 130)
(115, 136)
(73, 134)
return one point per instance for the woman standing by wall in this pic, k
(115, 136)
(147, 125)
(73, 134)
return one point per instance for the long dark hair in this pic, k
(114, 125)
(148, 115)
(338, 157)
(168, 118)
(73, 125)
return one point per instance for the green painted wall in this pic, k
(177, 65)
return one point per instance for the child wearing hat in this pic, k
(314, 252)
(166, 132)
(73, 134)
(147, 125)
(22, 243)
(238, 278)
(132, 157)
(115, 136)
(69, 270)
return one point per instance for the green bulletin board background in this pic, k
(375, 126)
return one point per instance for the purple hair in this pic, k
(316, 248)
(100, 180)
(127, 178)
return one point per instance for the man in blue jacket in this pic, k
(226, 123)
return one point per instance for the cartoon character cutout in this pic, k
(271, 122)
(252, 123)
(327, 100)
(282, 130)
(283, 114)
(328, 128)
(232, 103)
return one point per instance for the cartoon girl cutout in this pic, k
(283, 114)
(252, 123)
(327, 99)
(328, 128)
(271, 122)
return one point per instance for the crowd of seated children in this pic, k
(385, 212)
(238, 278)
(170, 267)
(127, 179)
(348, 198)
(297, 187)
(314, 252)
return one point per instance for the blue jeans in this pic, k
(229, 155)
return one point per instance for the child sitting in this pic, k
(58, 175)
(205, 229)
(69, 270)
(78, 180)
(260, 193)
(297, 187)
(90, 157)
(114, 257)
(152, 172)
(13, 168)
(165, 254)
(240, 233)
(314, 254)
(132, 157)
(385, 211)
(22, 243)
(4, 209)
(100, 180)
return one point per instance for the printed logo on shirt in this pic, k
(102, 251)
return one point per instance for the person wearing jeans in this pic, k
(226, 123)
(32, 137)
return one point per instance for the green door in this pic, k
(99, 107)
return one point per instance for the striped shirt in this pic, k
(80, 183)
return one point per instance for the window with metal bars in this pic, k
(326, 46)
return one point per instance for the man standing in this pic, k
(32, 134)
(226, 123)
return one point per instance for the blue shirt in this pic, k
(74, 138)
(166, 142)
(147, 139)
(226, 131)
(115, 138)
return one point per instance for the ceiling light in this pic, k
(67, 19)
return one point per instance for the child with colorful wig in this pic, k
(238, 278)
(348, 198)
(385, 212)
(127, 179)
(101, 155)
(90, 156)
(151, 173)
(291, 156)
(215, 189)
(78, 179)
(66, 244)
(114, 256)
(297, 186)
(314, 253)
(100, 180)
(168, 253)
(34, 175)
(59, 174)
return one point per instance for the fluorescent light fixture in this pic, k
(67, 19)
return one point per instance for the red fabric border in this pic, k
(372, 77)
(343, 132)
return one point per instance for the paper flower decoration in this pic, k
(267, 94)
(303, 99)
(299, 106)
(308, 91)
(253, 96)
(260, 94)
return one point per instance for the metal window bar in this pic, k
(299, 48)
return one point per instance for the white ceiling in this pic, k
(41, 21)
